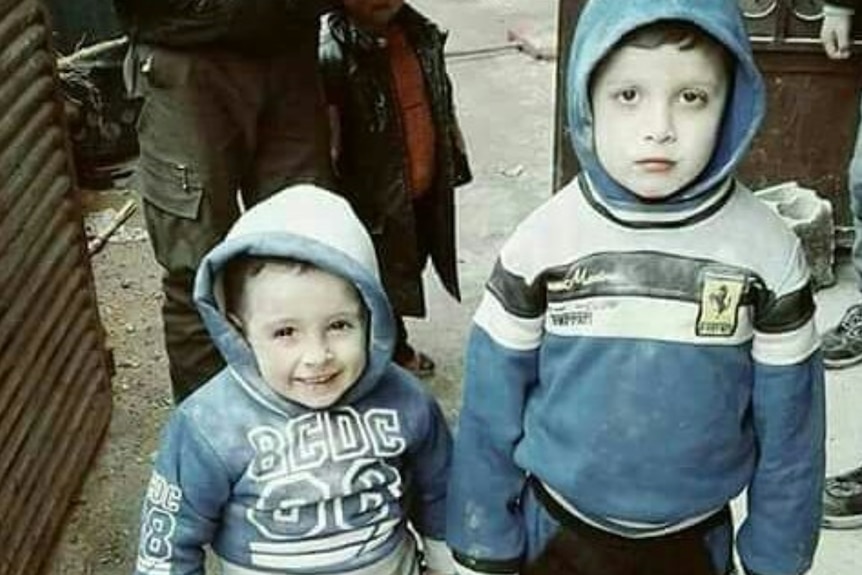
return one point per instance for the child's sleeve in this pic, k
(781, 531)
(462, 174)
(430, 463)
(484, 523)
(183, 503)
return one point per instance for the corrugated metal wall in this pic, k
(55, 396)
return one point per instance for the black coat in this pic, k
(372, 164)
(253, 26)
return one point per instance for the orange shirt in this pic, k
(415, 111)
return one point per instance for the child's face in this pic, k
(307, 331)
(373, 14)
(657, 114)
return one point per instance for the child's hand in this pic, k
(835, 35)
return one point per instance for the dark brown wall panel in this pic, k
(55, 394)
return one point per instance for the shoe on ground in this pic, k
(842, 500)
(842, 345)
(416, 362)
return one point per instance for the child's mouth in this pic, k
(656, 165)
(317, 379)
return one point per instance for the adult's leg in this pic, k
(179, 245)
(291, 132)
(192, 154)
(855, 185)
(403, 350)
(407, 356)
(842, 345)
(395, 244)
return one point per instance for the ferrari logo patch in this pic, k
(719, 302)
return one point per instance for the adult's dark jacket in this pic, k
(372, 167)
(252, 26)
(845, 3)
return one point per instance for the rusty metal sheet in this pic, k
(30, 240)
(55, 395)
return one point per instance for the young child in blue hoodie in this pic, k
(311, 451)
(645, 349)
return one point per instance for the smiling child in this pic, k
(311, 451)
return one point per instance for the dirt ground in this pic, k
(101, 529)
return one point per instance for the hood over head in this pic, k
(601, 25)
(305, 223)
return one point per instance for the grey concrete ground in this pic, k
(506, 108)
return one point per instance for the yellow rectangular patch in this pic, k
(720, 296)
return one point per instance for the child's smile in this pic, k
(307, 331)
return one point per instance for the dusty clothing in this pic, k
(374, 165)
(231, 104)
(644, 360)
(274, 486)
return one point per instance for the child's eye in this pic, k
(698, 97)
(627, 96)
(284, 332)
(341, 325)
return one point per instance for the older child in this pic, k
(310, 452)
(397, 149)
(645, 349)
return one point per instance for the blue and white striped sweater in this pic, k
(635, 368)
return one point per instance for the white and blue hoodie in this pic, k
(646, 362)
(274, 486)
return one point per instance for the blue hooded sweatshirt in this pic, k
(645, 361)
(277, 487)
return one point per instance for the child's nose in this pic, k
(316, 351)
(659, 127)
